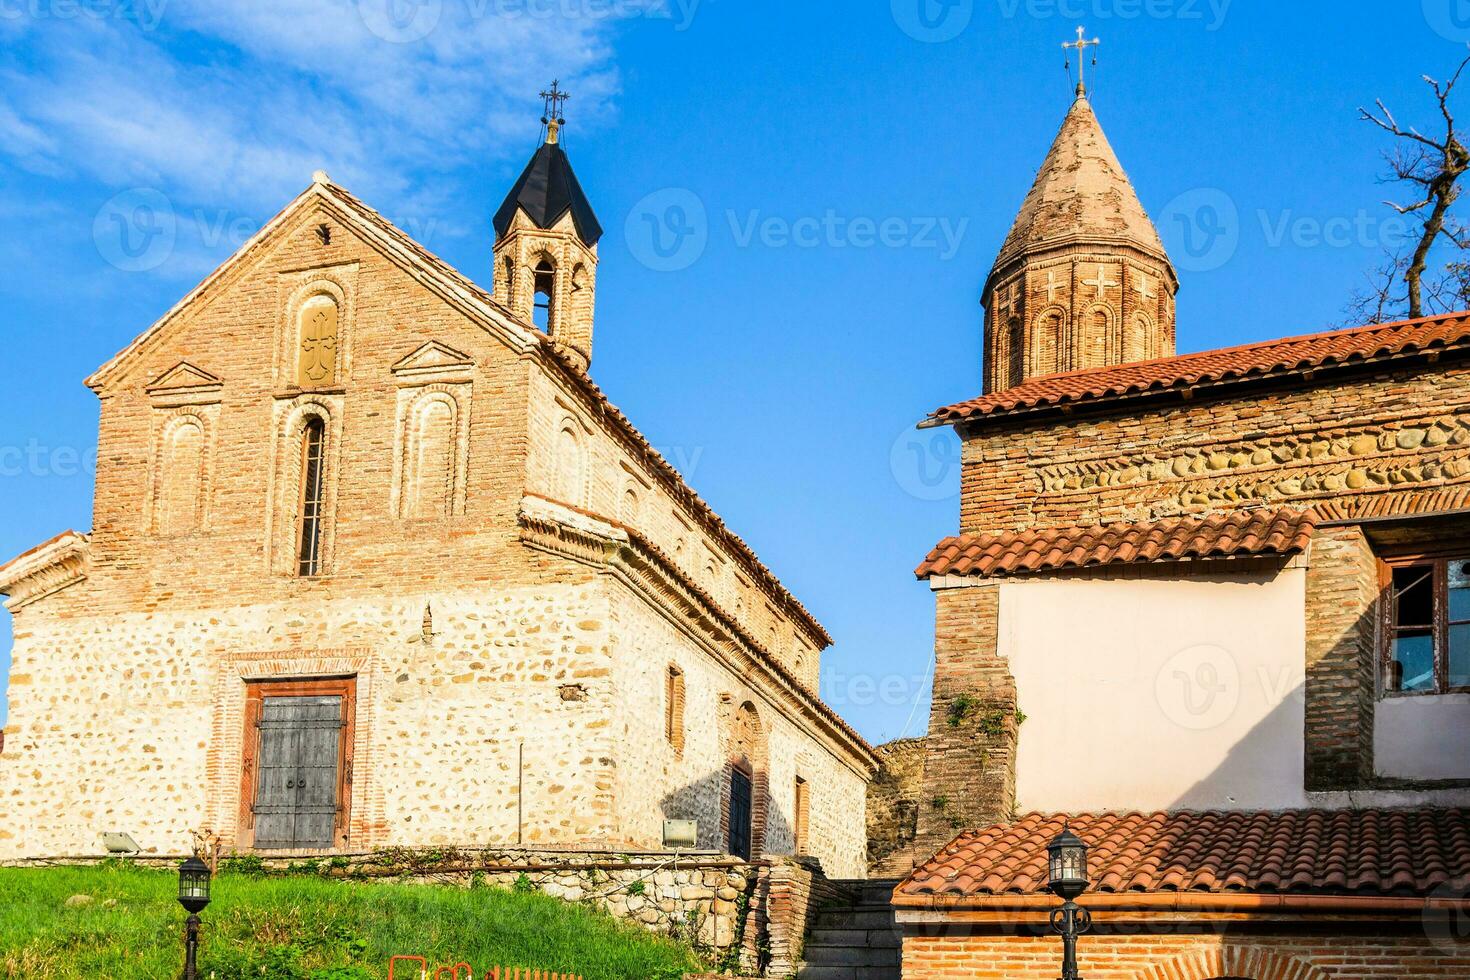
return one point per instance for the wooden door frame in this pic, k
(256, 691)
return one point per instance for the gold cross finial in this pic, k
(552, 117)
(1082, 44)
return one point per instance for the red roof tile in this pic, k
(1290, 355)
(1239, 533)
(1297, 852)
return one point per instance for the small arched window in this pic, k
(507, 280)
(1137, 346)
(630, 506)
(181, 474)
(1049, 357)
(674, 708)
(309, 513)
(1016, 369)
(543, 313)
(431, 480)
(569, 469)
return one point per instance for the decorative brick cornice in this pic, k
(46, 569)
(570, 532)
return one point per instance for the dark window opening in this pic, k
(309, 545)
(542, 314)
(1428, 649)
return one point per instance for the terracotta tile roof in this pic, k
(1234, 534)
(1290, 355)
(1296, 852)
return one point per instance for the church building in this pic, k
(375, 562)
(1209, 610)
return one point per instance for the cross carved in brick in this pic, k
(1052, 286)
(1102, 281)
(1145, 287)
(1007, 294)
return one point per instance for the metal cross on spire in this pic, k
(551, 116)
(1082, 44)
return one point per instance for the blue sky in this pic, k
(802, 201)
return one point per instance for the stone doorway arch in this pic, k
(1233, 963)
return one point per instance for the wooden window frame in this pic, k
(1439, 560)
(256, 691)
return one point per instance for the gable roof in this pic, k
(480, 306)
(1307, 357)
(1081, 194)
(1372, 853)
(546, 190)
(1241, 533)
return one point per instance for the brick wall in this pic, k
(969, 773)
(1367, 445)
(1323, 953)
(1342, 594)
(894, 797)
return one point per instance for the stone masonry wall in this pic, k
(692, 783)
(894, 798)
(134, 722)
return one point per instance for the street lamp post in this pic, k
(193, 896)
(1067, 864)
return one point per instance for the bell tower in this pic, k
(546, 244)
(1082, 280)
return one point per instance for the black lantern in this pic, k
(193, 896)
(1067, 871)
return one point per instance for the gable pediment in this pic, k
(185, 382)
(434, 361)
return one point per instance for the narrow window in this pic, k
(674, 708)
(309, 546)
(508, 296)
(803, 816)
(1429, 636)
(1050, 357)
(1017, 354)
(544, 313)
(181, 494)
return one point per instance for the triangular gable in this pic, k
(183, 376)
(432, 356)
(391, 241)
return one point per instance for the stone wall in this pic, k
(894, 798)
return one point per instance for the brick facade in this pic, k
(969, 769)
(1184, 951)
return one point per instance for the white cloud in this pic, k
(232, 103)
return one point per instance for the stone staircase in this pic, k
(855, 942)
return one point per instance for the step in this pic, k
(855, 917)
(849, 973)
(881, 938)
(850, 955)
(877, 892)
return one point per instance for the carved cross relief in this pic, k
(317, 364)
(1102, 282)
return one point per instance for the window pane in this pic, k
(1459, 591)
(1413, 589)
(1459, 666)
(1412, 664)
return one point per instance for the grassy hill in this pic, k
(303, 928)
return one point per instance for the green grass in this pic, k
(304, 928)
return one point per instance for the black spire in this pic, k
(547, 188)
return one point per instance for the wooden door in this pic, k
(298, 765)
(740, 802)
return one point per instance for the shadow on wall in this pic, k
(704, 800)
